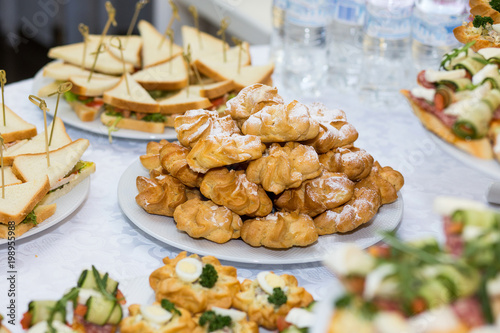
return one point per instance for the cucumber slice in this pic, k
(495, 81)
(483, 218)
(99, 309)
(40, 311)
(116, 315)
(471, 64)
(457, 84)
(492, 98)
(446, 93)
(474, 122)
(87, 281)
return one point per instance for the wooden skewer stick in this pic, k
(239, 43)
(3, 81)
(43, 106)
(111, 20)
(224, 23)
(187, 57)
(61, 89)
(170, 34)
(1, 165)
(138, 6)
(119, 47)
(175, 16)
(84, 30)
(194, 12)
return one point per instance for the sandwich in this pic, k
(489, 8)
(136, 110)
(170, 75)
(21, 208)
(459, 103)
(200, 43)
(37, 143)
(155, 49)
(16, 128)
(66, 168)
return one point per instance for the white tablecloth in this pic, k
(99, 234)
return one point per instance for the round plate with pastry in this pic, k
(66, 113)
(65, 205)
(163, 228)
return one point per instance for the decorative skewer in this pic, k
(187, 58)
(3, 81)
(2, 146)
(138, 6)
(84, 30)
(61, 89)
(192, 9)
(111, 20)
(238, 43)
(175, 16)
(43, 106)
(224, 23)
(119, 47)
(170, 34)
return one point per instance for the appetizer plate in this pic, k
(490, 167)
(66, 205)
(163, 228)
(66, 113)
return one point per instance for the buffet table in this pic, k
(99, 234)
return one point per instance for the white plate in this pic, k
(490, 167)
(66, 113)
(66, 205)
(163, 228)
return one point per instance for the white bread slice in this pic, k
(74, 180)
(106, 63)
(182, 101)
(17, 128)
(160, 77)
(84, 112)
(45, 91)
(216, 89)
(9, 177)
(96, 87)
(62, 160)
(42, 212)
(152, 54)
(215, 59)
(61, 71)
(138, 100)
(132, 46)
(133, 124)
(36, 145)
(248, 75)
(20, 199)
(209, 43)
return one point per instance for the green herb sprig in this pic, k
(453, 54)
(169, 306)
(215, 321)
(481, 21)
(278, 297)
(208, 276)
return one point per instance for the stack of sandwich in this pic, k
(31, 186)
(155, 83)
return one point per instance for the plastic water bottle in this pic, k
(278, 34)
(433, 22)
(306, 46)
(386, 65)
(346, 44)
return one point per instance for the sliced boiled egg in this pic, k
(268, 281)
(155, 314)
(300, 318)
(235, 315)
(189, 269)
(43, 327)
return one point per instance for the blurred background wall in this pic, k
(28, 28)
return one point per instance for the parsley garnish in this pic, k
(495, 4)
(278, 297)
(169, 306)
(481, 21)
(215, 321)
(208, 276)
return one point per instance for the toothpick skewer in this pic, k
(84, 30)
(2, 146)
(61, 89)
(194, 12)
(187, 57)
(224, 23)
(3, 81)
(239, 43)
(43, 106)
(170, 34)
(175, 16)
(111, 20)
(138, 6)
(119, 47)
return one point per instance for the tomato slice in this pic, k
(95, 103)
(120, 297)
(282, 324)
(81, 310)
